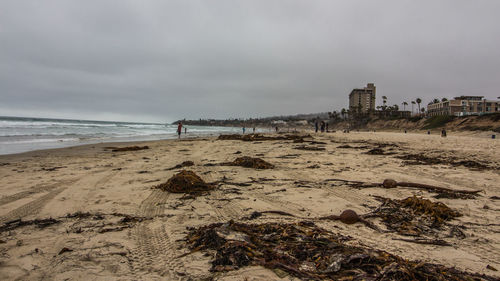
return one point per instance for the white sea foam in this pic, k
(24, 134)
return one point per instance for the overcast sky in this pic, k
(165, 60)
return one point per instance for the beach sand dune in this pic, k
(89, 212)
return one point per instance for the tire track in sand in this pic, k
(32, 207)
(228, 209)
(154, 204)
(155, 252)
(37, 189)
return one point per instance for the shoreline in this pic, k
(473, 134)
(89, 190)
(85, 147)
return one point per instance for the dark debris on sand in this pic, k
(309, 253)
(40, 223)
(259, 137)
(419, 159)
(376, 151)
(414, 216)
(186, 182)
(310, 148)
(129, 148)
(182, 165)
(249, 162)
(442, 192)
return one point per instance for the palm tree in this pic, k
(404, 105)
(343, 112)
(444, 99)
(333, 115)
(412, 103)
(384, 101)
(418, 100)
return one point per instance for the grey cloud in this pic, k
(162, 60)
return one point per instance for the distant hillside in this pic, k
(289, 120)
(489, 122)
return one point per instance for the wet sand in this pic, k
(111, 224)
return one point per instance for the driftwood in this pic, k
(390, 183)
(257, 214)
(436, 188)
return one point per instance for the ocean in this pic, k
(20, 134)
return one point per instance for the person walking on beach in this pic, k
(244, 130)
(322, 126)
(185, 130)
(316, 126)
(179, 129)
(254, 130)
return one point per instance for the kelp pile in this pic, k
(129, 148)
(230, 137)
(185, 182)
(414, 216)
(419, 159)
(310, 253)
(379, 151)
(310, 148)
(259, 137)
(250, 162)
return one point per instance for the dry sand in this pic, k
(105, 186)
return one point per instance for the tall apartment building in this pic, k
(363, 100)
(464, 105)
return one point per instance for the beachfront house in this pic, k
(463, 106)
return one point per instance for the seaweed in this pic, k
(413, 216)
(259, 137)
(310, 148)
(129, 148)
(182, 165)
(419, 159)
(310, 253)
(186, 182)
(249, 162)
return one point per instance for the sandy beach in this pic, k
(88, 213)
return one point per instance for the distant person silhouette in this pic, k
(179, 129)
